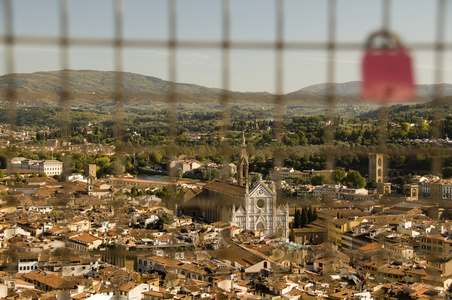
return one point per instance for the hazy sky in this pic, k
(200, 20)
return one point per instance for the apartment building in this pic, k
(436, 243)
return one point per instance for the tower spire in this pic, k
(242, 167)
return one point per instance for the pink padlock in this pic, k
(387, 70)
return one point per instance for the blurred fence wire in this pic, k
(278, 46)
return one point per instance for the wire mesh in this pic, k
(172, 44)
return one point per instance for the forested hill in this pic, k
(90, 86)
(88, 81)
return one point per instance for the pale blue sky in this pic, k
(200, 20)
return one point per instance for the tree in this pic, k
(405, 126)
(2, 174)
(297, 219)
(371, 185)
(354, 180)
(255, 178)
(401, 180)
(133, 192)
(318, 179)
(159, 224)
(166, 193)
(314, 215)
(397, 162)
(156, 157)
(447, 172)
(304, 217)
(286, 193)
(339, 175)
(200, 157)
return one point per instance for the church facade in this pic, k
(254, 209)
(261, 212)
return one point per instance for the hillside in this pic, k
(88, 81)
(350, 90)
(96, 88)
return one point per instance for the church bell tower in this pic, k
(242, 166)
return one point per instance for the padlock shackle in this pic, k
(391, 39)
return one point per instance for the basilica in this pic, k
(255, 208)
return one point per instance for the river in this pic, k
(154, 178)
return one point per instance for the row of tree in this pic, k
(304, 216)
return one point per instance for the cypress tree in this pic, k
(310, 214)
(304, 217)
(314, 215)
(297, 218)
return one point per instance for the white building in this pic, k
(27, 262)
(50, 167)
(79, 269)
(261, 212)
(339, 192)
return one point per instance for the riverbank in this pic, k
(143, 176)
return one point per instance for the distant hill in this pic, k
(87, 81)
(97, 87)
(351, 90)
(341, 89)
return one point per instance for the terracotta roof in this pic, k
(194, 269)
(339, 222)
(371, 246)
(28, 255)
(22, 282)
(131, 180)
(162, 260)
(128, 286)
(226, 187)
(391, 270)
(161, 295)
(48, 279)
(242, 255)
(41, 179)
(46, 192)
(85, 238)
